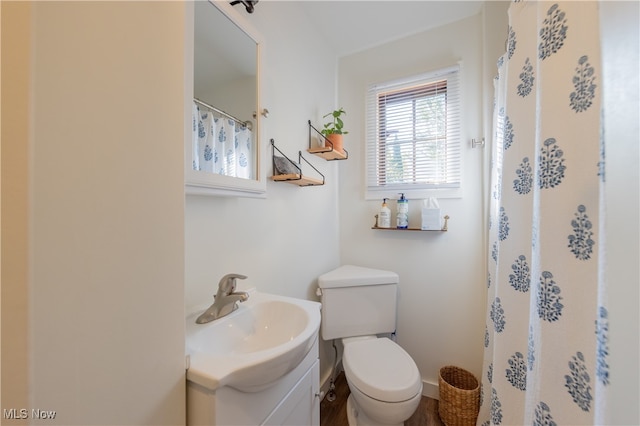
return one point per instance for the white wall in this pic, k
(442, 278)
(284, 242)
(620, 84)
(100, 246)
(14, 196)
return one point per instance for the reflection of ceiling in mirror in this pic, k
(222, 51)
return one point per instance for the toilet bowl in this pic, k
(384, 381)
(359, 304)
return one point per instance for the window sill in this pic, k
(412, 194)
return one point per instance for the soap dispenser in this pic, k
(384, 217)
(402, 219)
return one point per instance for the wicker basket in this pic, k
(459, 396)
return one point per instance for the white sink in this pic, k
(251, 348)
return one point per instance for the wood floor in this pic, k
(335, 413)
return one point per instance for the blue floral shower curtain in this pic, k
(546, 349)
(220, 145)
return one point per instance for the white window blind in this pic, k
(413, 133)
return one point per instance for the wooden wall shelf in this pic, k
(294, 178)
(297, 179)
(328, 153)
(445, 227)
(409, 229)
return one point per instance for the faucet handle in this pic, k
(228, 283)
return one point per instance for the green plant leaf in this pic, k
(335, 126)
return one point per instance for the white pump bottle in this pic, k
(384, 217)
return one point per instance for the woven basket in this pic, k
(459, 396)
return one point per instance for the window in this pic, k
(413, 135)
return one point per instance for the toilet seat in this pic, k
(381, 369)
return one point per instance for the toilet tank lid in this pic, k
(352, 276)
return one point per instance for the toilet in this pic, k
(358, 304)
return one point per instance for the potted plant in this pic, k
(333, 130)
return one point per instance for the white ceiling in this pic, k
(353, 26)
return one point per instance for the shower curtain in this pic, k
(221, 145)
(546, 337)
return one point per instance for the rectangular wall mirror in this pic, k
(223, 154)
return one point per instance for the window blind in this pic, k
(413, 133)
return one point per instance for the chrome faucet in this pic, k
(225, 300)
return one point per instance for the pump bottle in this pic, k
(384, 217)
(402, 218)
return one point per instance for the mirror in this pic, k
(223, 154)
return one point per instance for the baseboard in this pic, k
(430, 390)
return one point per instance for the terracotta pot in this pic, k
(336, 140)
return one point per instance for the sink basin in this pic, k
(254, 346)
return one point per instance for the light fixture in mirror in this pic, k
(223, 155)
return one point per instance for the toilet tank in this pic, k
(357, 301)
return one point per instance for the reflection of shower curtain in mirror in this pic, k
(220, 145)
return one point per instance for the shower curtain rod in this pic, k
(247, 123)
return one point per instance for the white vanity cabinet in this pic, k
(301, 406)
(292, 400)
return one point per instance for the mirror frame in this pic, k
(208, 183)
